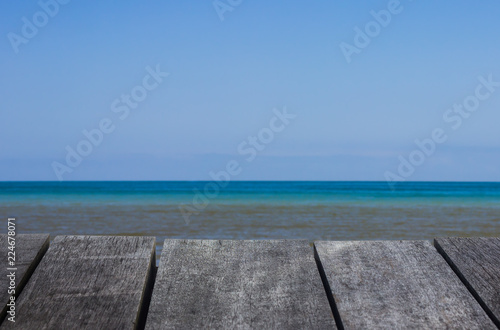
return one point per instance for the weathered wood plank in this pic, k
(477, 262)
(397, 285)
(238, 284)
(88, 282)
(29, 250)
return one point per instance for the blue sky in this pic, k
(354, 121)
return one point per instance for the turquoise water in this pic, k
(255, 210)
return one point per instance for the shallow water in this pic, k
(254, 210)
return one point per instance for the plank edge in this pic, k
(147, 291)
(27, 275)
(328, 290)
(465, 282)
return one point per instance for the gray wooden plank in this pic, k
(29, 250)
(238, 284)
(477, 262)
(88, 282)
(397, 285)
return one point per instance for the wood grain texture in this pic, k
(477, 262)
(397, 285)
(29, 249)
(87, 282)
(270, 284)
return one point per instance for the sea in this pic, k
(254, 210)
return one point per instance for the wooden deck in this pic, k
(111, 282)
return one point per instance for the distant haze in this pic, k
(178, 90)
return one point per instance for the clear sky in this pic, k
(360, 99)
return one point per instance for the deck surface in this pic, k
(238, 284)
(111, 282)
(28, 251)
(477, 262)
(87, 282)
(397, 284)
